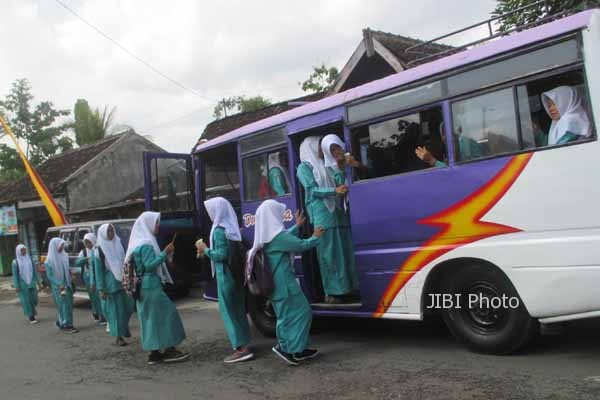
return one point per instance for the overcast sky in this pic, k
(217, 48)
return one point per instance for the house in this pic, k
(379, 54)
(97, 181)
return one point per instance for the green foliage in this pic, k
(237, 104)
(91, 126)
(535, 13)
(38, 128)
(320, 79)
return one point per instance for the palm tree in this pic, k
(92, 126)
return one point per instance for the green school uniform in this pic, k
(64, 303)
(28, 295)
(294, 315)
(88, 273)
(277, 181)
(160, 323)
(118, 307)
(232, 302)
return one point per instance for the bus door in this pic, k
(394, 191)
(314, 125)
(169, 189)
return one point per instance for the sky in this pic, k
(215, 49)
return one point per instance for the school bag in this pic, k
(237, 260)
(132, 282)
(259, 278)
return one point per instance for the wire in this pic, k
(130, 53)
(171, 121)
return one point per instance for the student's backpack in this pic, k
(259, 278)
(132, 282)
(237, 260)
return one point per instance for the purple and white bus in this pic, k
(501, 235)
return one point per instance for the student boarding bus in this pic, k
(500, 235)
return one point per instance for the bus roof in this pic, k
(477, 53)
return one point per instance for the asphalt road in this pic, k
(361, 359)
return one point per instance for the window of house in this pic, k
(535, 120)
(266, 176)
(485, 125)
(388, 147)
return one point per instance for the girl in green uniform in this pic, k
(59, 275)
(25, 281)
(293, 312)
(160, 323)
(569, 119)
(232, 301)
(85, 261)
(110, 260)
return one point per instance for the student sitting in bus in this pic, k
(468, 149)
(25, 281)
(278, 173)
(569, 119)
(293, 312)
(232, 299)
(160, 324)
(59, 275)
(343, 280)
(109, 262)
(320, 197)
(85, 261)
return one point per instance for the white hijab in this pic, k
(24, 264)
(573, 117)
(329, 140)
(222, 215)
(114, 254)
(143, 233)
(59, 261)
(309, 153)
(268, 224)
(90, 237)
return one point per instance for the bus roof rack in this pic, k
(491, 35)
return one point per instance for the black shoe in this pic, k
(173, 356)
(120, 342)
(287, 357)
(102, 321)
(58, 325)
(95, 317)
(154, 357)
(32, 320)
(307, 354)
(70, 329)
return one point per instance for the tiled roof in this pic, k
(54, 170)
(398, 44)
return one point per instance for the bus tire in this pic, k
(490, 330)
(262, 315)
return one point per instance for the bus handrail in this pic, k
(492, 35)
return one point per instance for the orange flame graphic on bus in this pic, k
(460, 224)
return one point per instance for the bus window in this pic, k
(485, 125)
(220, 177)
(266, 176)
(388, 147)
(535, 120)
(172, 186)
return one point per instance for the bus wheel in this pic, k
(262, 314)
(488, 321)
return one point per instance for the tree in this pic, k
(535, 13)
(320, 80)
(237, 104)
(40, 130)
(91, 126)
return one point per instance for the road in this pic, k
(361, 359)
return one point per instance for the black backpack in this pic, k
(237, 260)
(259, 278)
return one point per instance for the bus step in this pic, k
(336, 306)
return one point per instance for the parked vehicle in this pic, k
(501, 214)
